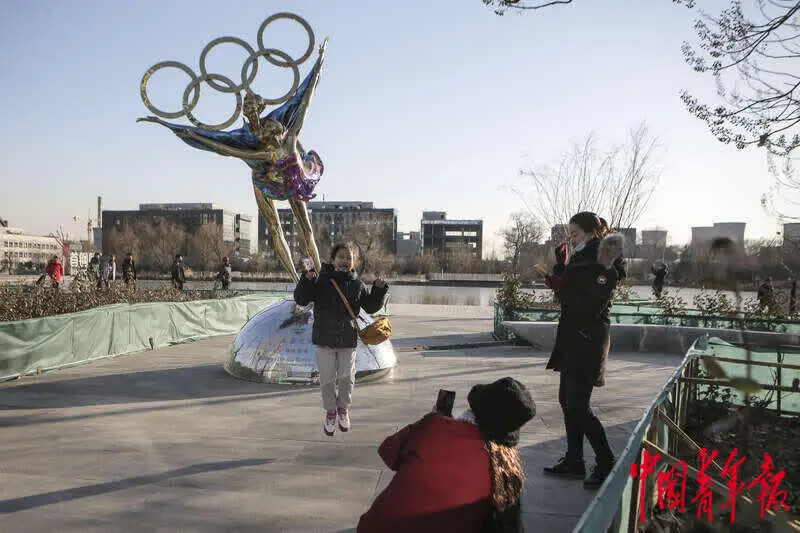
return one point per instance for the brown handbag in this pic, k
(379, 331)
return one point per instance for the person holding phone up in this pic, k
(333, 332)
(456, 474)
(584, 280)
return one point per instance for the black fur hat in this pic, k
(501, 408)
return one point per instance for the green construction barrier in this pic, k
(49, 343)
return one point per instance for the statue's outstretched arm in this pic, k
(238, 143)
(222, 149)
(305, 101)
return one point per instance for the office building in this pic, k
(791, 234)
(653, 246)
(441, 236)
(234, 229)
(409, 244)
(656, 238)
(335, 222)
(18, 247)
(703, 235)
(629, 248)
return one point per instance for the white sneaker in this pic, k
(344, 419)
(329, 425)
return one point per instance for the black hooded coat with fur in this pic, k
(586, 289)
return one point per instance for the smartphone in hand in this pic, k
(445, 402)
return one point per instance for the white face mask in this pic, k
(580, 246)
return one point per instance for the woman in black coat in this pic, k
(584, 282)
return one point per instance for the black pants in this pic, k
(574, 393)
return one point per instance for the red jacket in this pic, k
(55, 270)
(443, 483)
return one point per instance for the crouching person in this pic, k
(457, 474)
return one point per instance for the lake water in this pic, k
(427, 294)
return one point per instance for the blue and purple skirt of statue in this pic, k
(285, 178)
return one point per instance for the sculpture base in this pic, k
(275, 346)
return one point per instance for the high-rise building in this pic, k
(335, 222)
(443, 237)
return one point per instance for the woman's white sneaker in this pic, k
(329, 425)
(344, 419)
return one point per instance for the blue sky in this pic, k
(422, 105)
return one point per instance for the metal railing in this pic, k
(648, 315)
(624, 499)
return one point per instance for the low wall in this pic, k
(41, 344)
(652, 338)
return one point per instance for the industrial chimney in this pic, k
(99, 211)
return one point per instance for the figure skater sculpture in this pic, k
(275, 344)
(281, 168)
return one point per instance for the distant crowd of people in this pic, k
(102, 271)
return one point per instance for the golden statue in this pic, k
(281, 168)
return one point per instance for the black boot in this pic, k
(598, 475)
(567, 468)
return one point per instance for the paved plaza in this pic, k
(166, 441)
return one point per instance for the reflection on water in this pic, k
(427, 294)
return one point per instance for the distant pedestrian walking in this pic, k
(660, 275)
(55, 271)
(94, 267)
(178, 273)
(224, 275)
(129, 270)
(105, 272)
(766, 295)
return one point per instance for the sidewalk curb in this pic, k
(443, 347)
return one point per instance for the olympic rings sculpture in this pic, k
(223, 84)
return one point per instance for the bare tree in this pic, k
(122, 241)
(371, 239)
(520, 238)
(207, 248)
(617, 184)
(160, 242)
(501, 6)
(753, 58)
(752, 55)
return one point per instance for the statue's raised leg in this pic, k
(270, 213)
(301, 216)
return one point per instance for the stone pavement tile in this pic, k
(549, 522)
(346, 454)
(567, 496)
